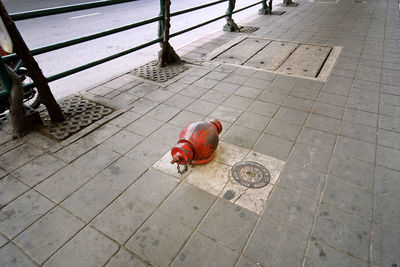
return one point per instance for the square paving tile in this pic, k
(159, 95)
(273, 146)
(88, 248)
(185, 117)
(159, 239)
(203, 251)
(306, 93)
(274, 245)
(123, 141)
(142, 106)
(305, 182)
(317, 138)
(126, 258)
(249, 92)
(167, 135)
(263, 108)
(75, 150)
(48, 234)
(272, 97)
(202, 107)
(323, 123)
(299, 103)
(384, 246)
(362, 117)
(358, 131)
(237, 102)
(214, 96)
(179, 101)
(148, 152)
(229, 224)
(11, 255)
(163, 112)
(22, 212)
(144, 126)
(19, 156)
(225, 113)
(10, 188)
(102, 133)
(125, 119)
(283, 129)
(122, 218)
(310, 157)
(291, 210)
(356, 149)
(388, 157)
(348, 197)
(328, 110)
(188, 204)
(387, 182)
(193, 91)
(389, 139)
(253, 121)
(142, 89)
(351, 233)
(229, 154)
(291, 115)
(241, 136)
(321, 255)
(152, 187)
(356, 171)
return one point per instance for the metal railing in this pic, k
(161, 18)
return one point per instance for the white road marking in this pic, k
(84, 16)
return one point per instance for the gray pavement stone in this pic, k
(316, 138)
(179, 101)
(2, 173)
(144, 126)
(356, 171)
(19, 156)
(159, 239)
(202, 107)
(363, 104)
(185, 117)
(142, 106)
(328, 110)
(385, 243)
(225, 113)
(332, 99)
(274, 245)
(307, 183)
(167, 135)
(355, 149)
(253, 121)
(387, 182)
(10, 188)
(75, 150)
(290, 210)
(125, 119)
(142, 89)
(266, 76)
(123, 141)
(205, 83)
(338, 85)
(163, 112)
(229, 224)
(125, 258)
(103, 133)
(282, 81)
(247, 91)
(193, 91)
(272, 97)
(122, 218)
(386, 211)
(203, 251)
(87, 248)
(214, 96)
(349, 197)
(62, 183)
(389, 123)
(152, 187)
(159, 95)
(273, 146)
(305, 93)
(189, 79)
(279, 128)
(323, 123)
(48, 234)
(321, 255)
(188, 204)
(96, 160)
(291, 115)
(226, 87)
(124, 99)
(351, 234)
(236, 78)
(256, 83)
(148, 152)
(237, 102)
(310, 157)
(11, 255)
(3, 240)
(389, 139)
(42, 141)
(245, 262)
(22, 212)
(362, 117)
(299, 103)
(262, 108)
(358, 131)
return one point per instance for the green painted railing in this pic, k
(71, 8)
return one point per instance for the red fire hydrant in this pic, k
(197, 143)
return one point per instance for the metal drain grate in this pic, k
(80, 113)
(248, 29)
(152, 71)
(251, 174)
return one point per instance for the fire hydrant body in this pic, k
(197, 143)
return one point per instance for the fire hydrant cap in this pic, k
(217, 124)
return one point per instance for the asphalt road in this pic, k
(51, 29)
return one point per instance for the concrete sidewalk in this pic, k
(332, 148)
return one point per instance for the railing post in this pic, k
(167, 55)
(266, 8)
(230, 25)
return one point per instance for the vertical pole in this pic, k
(5, 79)
(167, 55)
(230, 25)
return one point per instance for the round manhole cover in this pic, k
(251, 174)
